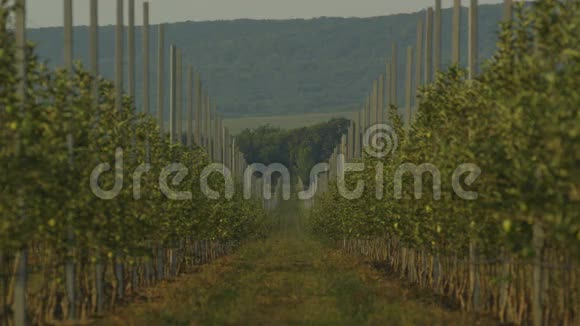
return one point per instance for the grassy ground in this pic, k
(236, 125)
(287, 279)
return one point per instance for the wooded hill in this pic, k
(259, 67)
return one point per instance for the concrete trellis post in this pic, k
(508, 10)
(474, 282)
(21, 261)
(160, 273)
(363, 125)
(146, 102)
(538, 278)
(357, 134)
(131, 47)
(388, 81)
(215, 135)
(233, 157)
(368, 106)
(68, 63)
(227, 145)
(374, 104)
(206, 122)
(213, 122)
(409, 87)
(429, 46)
(94, 66)
(350, 141)
(455, 33)
(365, 118)
(418, 62)
(473, 42)
(21, 277)
(240, 161)
(179, 95)
(437, 37)
(380, 100)
(210, 140)
(132, 86)
(236, 162)
(343, 145)
(204, 129)
(146, 49)
(68, 36)
(189, 105)
(213, 128)
(240, 166)
(119, 267)
(394, 76)
(94, 49)
(335, 160)
(232, 150)
(244, 168)
(119, 57)
(219, 139)
(223, 141)
(172, 93)
(198, 110)
(161, 77)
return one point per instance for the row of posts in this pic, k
(208, 132)
(422, 64)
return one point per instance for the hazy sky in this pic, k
(42, 13)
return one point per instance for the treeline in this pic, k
(65, 253)
(298, 149)
(514, 250)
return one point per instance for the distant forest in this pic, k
(298, 149)
(265, 67)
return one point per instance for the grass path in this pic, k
(287, 279)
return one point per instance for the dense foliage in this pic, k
(519, 122)
(50, 145)
(514, 250)
(298, 149)
(53, 179)
(286, 66)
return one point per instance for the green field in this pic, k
(236, 125)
